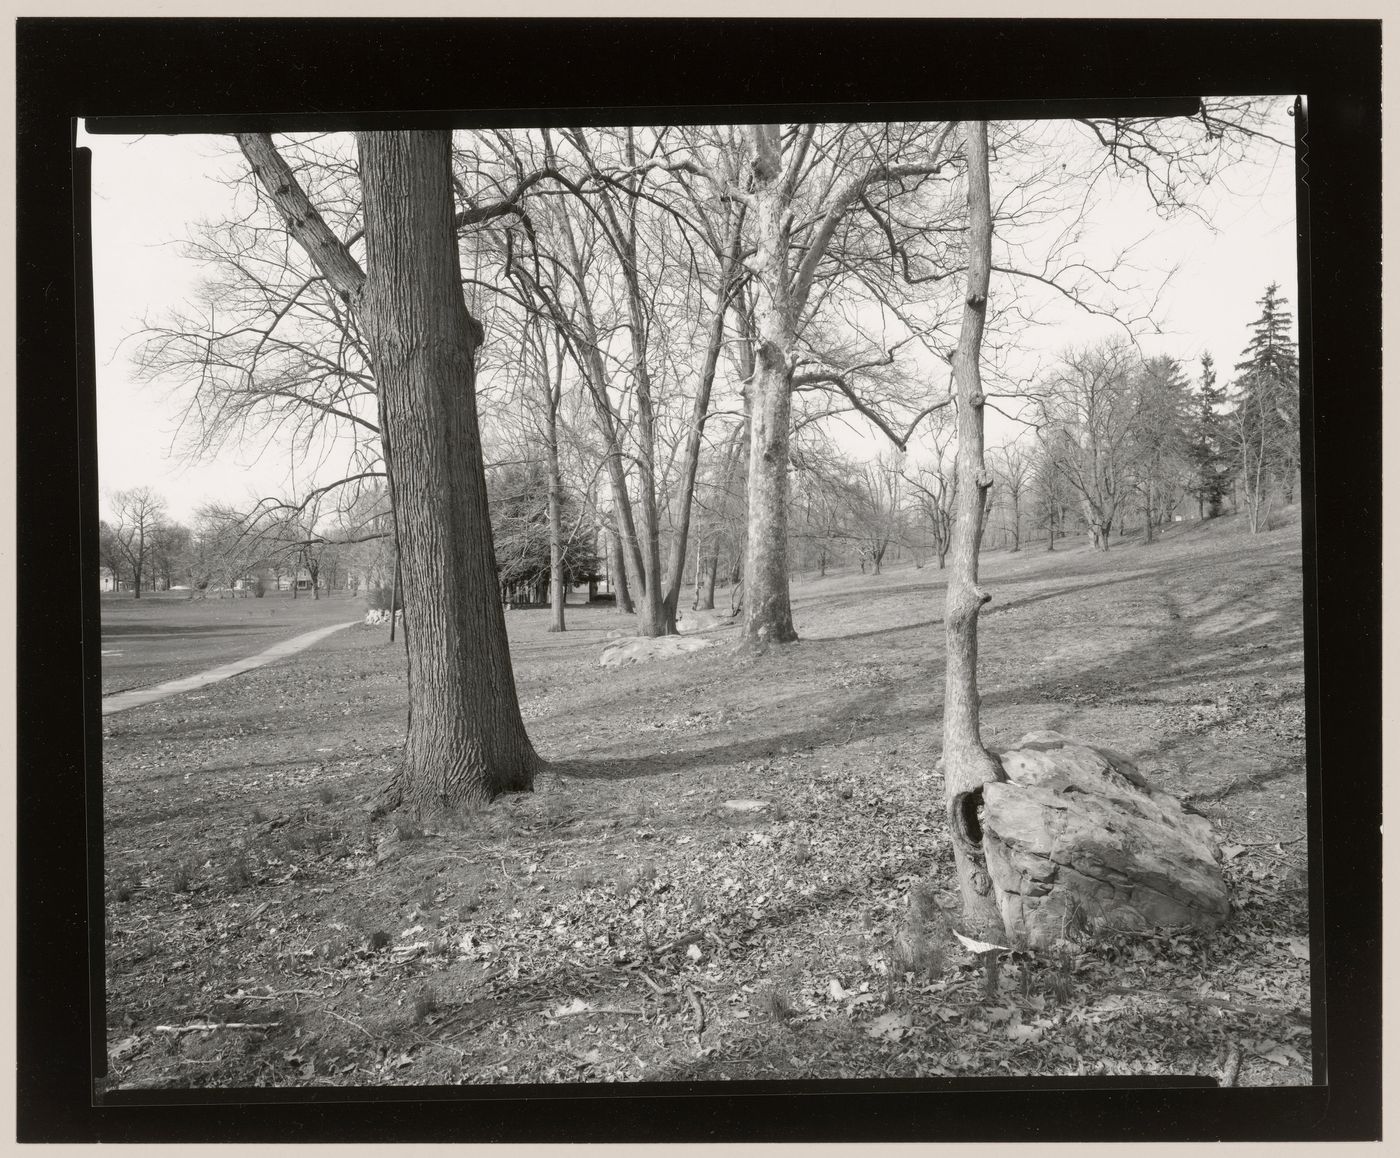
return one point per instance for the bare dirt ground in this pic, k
(622, 923)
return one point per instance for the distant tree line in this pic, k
(1118, 442)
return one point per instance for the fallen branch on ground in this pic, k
(600, 1009)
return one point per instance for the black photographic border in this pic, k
(196, 74)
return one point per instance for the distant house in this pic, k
(106, 579)
(301, 581)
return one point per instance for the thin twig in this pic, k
(647, 978)
(351, 1024)
(198, 1026)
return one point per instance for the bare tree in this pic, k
(1011, 464)
(616, 228)
(1052, 493)
(466, 742)
(935, 487)
(137, 517)
(1160, 432)
(1090, 404)
(880, 510)
(966, 763)
(796, 204)
(828, 501)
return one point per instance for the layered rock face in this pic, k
(1075, 837)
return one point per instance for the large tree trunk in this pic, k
(767, 606)
(967, 766)
(466, 742)
(705, 592)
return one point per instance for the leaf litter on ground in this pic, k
(623, 924)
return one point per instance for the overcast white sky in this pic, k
(148, 192)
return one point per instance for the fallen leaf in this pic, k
(1281, 1054)
(973, 946)
(836, 990)
(693, 951)
(890, 1026)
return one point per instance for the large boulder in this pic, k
(691, 622)
(1075, 836)
(641, 649)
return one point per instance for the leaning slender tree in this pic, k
(967, 765)
(466, 741)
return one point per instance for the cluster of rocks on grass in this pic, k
(1075, 837)
(374, 618)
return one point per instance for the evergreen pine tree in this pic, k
(1265, 408)
(1208, 448)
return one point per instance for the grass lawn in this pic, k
(165, 635)
(621, 923)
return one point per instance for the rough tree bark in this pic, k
(556, 529)
(705, 589)
(466, 742)
(617, 571)
(967, 765)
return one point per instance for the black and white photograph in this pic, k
(717, 601)
(668, 601)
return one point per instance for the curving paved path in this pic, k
(135, 698)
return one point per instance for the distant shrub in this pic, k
(379, 598)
